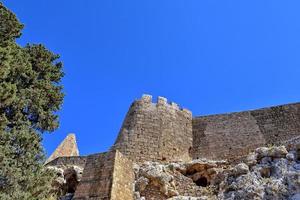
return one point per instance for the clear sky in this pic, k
(208, 56)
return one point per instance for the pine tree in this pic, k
(30, 95)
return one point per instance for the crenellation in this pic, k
(187, 112)
(146, 98)
(162, 101)
(175, 106)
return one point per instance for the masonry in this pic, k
(164, 132)
(232, 135)
(160, 132)
(106, 176)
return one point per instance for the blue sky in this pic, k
(208, 56)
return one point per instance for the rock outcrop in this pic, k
(67, 179)
(270, 173)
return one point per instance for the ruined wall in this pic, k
(96, 179)
(68, 161)
(235, 134)
(161, 131)
(68, 147)
(106, 176)
(123, 178)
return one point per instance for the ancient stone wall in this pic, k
(123, 178)
(96, 179)
(68, 161)
(106, 176)
(235, 134)
(155, 131)
(278, 123)
(225, 136)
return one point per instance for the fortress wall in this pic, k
(225, 136)
(279, 123)
(123, 178)
(68, 161)
(106, 176)
(96, 179)
(155, 131)
(233, 135)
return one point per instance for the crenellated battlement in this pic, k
(146, 98)
(162, 101)
(154, 131)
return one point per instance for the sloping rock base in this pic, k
(269, 173)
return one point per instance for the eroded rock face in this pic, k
(177, 180)
(67, 180)
(270, 173)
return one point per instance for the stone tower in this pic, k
(156, 131)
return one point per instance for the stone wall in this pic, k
(278, 123)
(96, 179)
(225, 136)
(123, 178)
(68, 161)
(106, 176)
(235, 134)
(155, 131)
(164, 132)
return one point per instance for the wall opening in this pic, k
(71, 180)
(71, 190)
(202, 181)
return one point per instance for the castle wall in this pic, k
(225, 136)
(96, 179)
(106, 176)
(278, 123)
(235, 134)
(68, 161)
(164, 132)
(123, 178)
(155, 131)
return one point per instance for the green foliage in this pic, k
(10, 27)
(30, 94)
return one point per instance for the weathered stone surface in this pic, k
(106, 176)
(67, 180)
(156, 132)
(67, 148)
(277, 179)
(188, 198)
(236, 134)
(241, 169)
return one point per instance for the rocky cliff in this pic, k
(270, 173)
